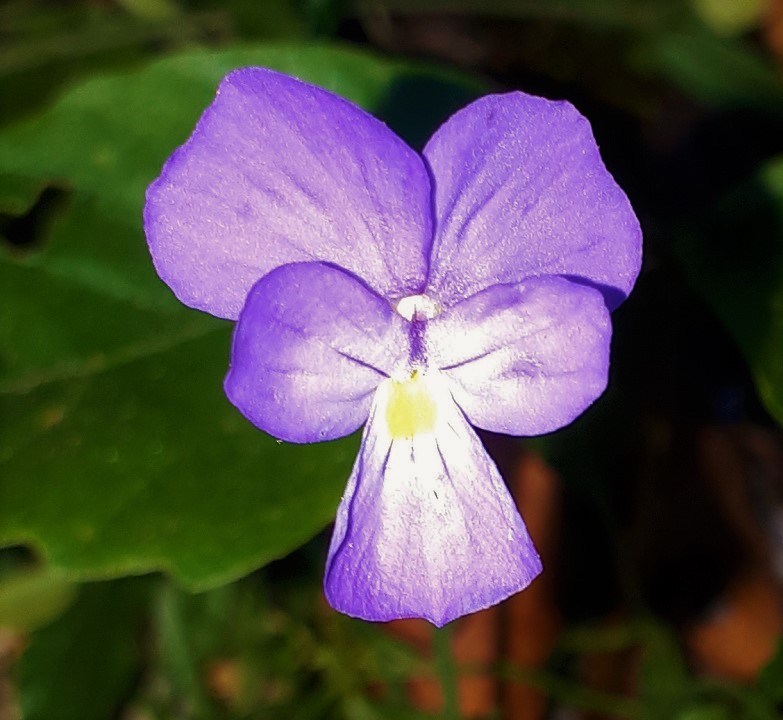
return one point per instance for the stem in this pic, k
(447, 672)
(179, 663)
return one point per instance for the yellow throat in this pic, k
(411, 409)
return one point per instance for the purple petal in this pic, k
(426, 527)
(520, 190)
(529, 358)
(310, 348)
(279, 171)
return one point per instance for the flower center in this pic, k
(419, 307)
(410, 407)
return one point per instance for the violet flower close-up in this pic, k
(417, 295)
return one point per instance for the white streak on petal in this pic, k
(427, 527)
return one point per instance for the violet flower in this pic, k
(419, 294)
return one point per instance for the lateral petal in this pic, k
(279, 171)
(427, 527)
(311, 345)
(520, 191)
(527, 358)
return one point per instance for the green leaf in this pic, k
(717, 71)
(706, 711)
(770, 682)
(610, 13)
(664, 677)
(82, 666)
(147, 466)
(18, 194)
(49, 46)
(178, 656)
(32, 598)
(735, 259)
(731, 17)
(53, 328)
(119, 452)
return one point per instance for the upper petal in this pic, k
(311, 345)
(521, 190)
(426, 527)
(527, 358)
(279, 171)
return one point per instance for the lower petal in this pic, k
(427, 527)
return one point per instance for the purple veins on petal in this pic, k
(311, 346)
(427, 527)
(279, 171)
(521, 191)
(531, 356)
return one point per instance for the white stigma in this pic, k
(419, 306)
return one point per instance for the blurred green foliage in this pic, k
(119, 454)
(745, 288)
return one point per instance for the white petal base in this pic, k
(427, 527)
